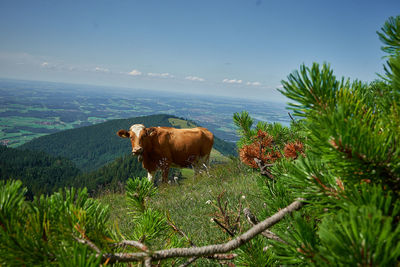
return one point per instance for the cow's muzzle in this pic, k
(137, 151)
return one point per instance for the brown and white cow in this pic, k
(165, 147)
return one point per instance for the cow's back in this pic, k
(184, 146)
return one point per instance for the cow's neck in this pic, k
(150, 160)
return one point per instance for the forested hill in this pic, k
(39, 172)
(93, 146)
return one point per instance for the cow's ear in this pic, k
(151, 131)
(123, 133)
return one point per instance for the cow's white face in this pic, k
(135, 133)
(137, 129)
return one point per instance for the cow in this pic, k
(165, 147)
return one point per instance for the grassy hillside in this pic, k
(108, 164)
(93, 146)
(193, 202)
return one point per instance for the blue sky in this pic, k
(240, 48)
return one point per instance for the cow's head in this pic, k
(138, 134)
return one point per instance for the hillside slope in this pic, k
(93, 146)
(39, 172)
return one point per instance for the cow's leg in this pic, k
(202, 163)
(151, 175)
(206, 162)
(165, 172)
(196, 168)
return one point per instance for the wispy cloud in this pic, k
(232, 81)
(135, 73)
(100, 69)
(51, 66)
(194, 78)
(160, 75)
(253, 83)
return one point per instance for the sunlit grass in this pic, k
(188, 203)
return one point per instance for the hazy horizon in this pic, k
(112, 90)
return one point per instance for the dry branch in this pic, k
(193, 259)
(133, 243)
(147, 262)
(190, 261)
(264, 168)
(178, 230)
(206, 250)
(89, 244)
(223, 227)
(252, 219)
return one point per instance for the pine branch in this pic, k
(193, 259)
(133, 243)
(210, 249)
(252, 219)
(89, 244)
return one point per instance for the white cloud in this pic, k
(160, 75)
(253, 83)
(50, 66)
(100, 69)
(232, 81)
(135, 73)
(194, 78)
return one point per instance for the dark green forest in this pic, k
(40, 172)
(93, 146)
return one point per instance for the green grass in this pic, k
(216, 156)
(23, 136)
(181, 123)
(187, 203)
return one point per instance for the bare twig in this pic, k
(223, 227)
(89, 244)
(176, 229)
(133, 243)
(222, 256)
(147, 262)
(190, 261)
(193, 259)
(225, 218)
(290, 115)
(263, 168)
(210, 249)
(252, 219)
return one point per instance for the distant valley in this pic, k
(32, 109)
